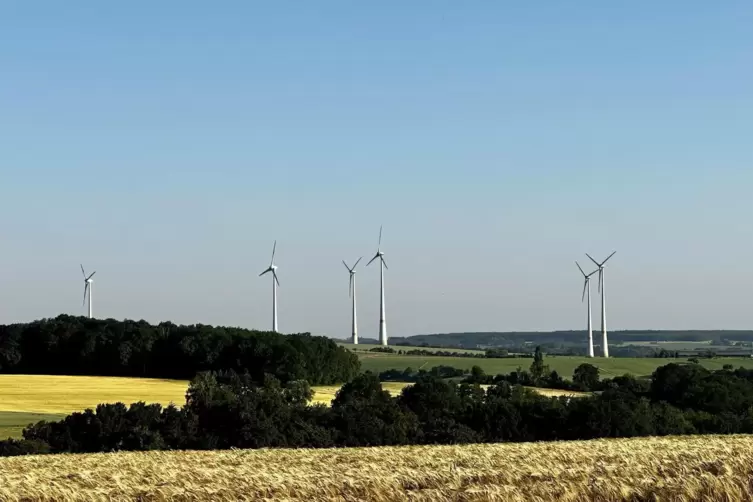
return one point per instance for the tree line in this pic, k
(225, 410)
(81, 346)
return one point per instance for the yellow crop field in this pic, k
(559, 392)
(326, 393)
(675, 469)
(65, 394)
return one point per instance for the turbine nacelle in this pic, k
(88, 281)
(352, 272)
(272, 267)
(379, 254)
(601, 267)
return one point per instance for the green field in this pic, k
(564, 365)
(365, 347)
(13, 422)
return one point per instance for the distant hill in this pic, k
(517, 339)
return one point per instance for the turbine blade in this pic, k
(380, 236)
(82, 271)
(581, 270)
(585, 285)
(274, 248)
(385, 263)
(608, 257)
(350, 286)
(357, 262)
(590, 258)
(86, 288)
(91, 275)
(601, 278)
(346, 266)
(274, 274)
(374, 258)
(265, 272)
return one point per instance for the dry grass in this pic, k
(663, 469)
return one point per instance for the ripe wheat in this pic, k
(672, 469)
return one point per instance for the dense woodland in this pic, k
(230, 410)
(81, 346)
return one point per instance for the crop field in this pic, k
(564, 365)
(65, 394)
(26, 399)
(673, 469)
(326, 393)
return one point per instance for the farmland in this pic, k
(564, 365)
(671, 468)
(365, 347)
(25, 399)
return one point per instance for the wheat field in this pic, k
(677, 469)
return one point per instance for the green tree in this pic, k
(538, 369)
(586, 377)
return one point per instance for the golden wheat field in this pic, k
(707, 468)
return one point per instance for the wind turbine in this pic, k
(275, 282)
(382, 266)
(88, 287)
(352, 292)
(587, 287)
(603, 301)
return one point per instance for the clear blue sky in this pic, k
(167, 144)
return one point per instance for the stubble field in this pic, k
(705, 468)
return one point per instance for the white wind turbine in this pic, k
(88, 287)
(352, 291)
(275, 282)
(382, 266)
(603, 301)
(587, 287)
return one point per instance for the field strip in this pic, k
(671, 468)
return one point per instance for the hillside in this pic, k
(695, 340)
(672, 468)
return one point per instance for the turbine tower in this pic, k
(352, 291)
(587, 287)
(275, 282)
(382, 266)
(603, 301)
(88, 286)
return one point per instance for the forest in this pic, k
(227, 410)
(69, 345)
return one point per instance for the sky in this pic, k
(167, 145)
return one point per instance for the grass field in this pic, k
(13, 422)
(365, 347)
(564, 365)
(707, 468)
